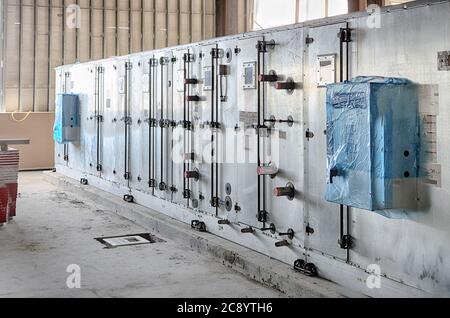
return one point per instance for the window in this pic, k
(337, 7)
(395, 2)
(310, 10)
(270, 13)
(317, 9)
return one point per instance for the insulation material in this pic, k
(9, 167)
(67, 119)
(373, 141)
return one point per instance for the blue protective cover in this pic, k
(67, 119)
(372, 140)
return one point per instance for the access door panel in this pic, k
(323, 217)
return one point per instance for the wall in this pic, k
(106, 28)
(38, 127)
(2, 42)
(234, 16)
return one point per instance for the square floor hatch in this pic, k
(129, 240)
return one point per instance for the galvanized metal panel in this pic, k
(323, 217)
(413, 246)
(288, 140)
(110, 119)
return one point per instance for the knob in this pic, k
(282, 244)
(268, 78)
(190, 81)
(192, 175)
(270, 170)
(288, 192)
(189, 156)
(163, 186)
(271, 228)
(290, 234)
(193, 98)
(333, 173)
(289, 86)
(248, 230)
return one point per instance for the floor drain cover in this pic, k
(129, 240)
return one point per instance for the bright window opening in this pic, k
(337, 7)
(271, 13)
(310, 10)
(395, 2)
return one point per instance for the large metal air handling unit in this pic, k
(233, 136)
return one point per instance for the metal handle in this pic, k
(248, 230)
(290, 234)
(272, 228)
(333, 173)
(282, 244)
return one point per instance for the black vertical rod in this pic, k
(162, 123)
(348, 230)
(125, 120)
(185, 94)
(213, 87)
(150, 123)
(348, 53)
(341, 221)
(345, 37)
(189, 133)
(98, 113)
(172, 118)
(96, 92)
(151, 182)
(216, 61)
(63, 54)
(341, 57)
(263, 124)
(154, 115)
(101, 116)
(259, 127)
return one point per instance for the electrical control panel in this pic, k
(373, 142)
(67, 119)
(326, 65)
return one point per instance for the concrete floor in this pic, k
(55, 229)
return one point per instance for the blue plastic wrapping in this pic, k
(372, 140)
(67, 119)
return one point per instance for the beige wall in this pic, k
(2, 43)
(38, 38)
(38, 127)
(234, 16)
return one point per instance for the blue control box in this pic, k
(373, 141)
(67, 119)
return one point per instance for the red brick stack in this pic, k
(9, 167)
